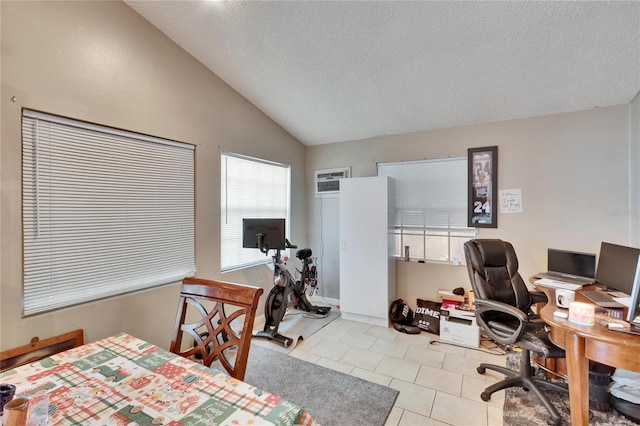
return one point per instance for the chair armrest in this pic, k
(506, 335)
(505, 308)
(538, 297)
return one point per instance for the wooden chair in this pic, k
(40, 349)
(217, 335)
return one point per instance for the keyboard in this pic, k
(601, 298)
(567, 278)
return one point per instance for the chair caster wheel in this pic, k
(485, 396)
(553, 422)
(481, 370)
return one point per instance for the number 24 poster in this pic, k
(483, 183)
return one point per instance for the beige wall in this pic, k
(102, 62)
(573, 169)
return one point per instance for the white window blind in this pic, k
(250, 188)
(430, 193)
(431, 206)
(105, 211)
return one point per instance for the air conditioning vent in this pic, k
(327, 182)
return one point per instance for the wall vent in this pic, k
(327, 182)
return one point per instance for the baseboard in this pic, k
(321, 300)
(367, 319)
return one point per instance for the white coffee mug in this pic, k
(564, 297)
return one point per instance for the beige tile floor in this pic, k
(438, 382)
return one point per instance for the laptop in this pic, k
(570, 267)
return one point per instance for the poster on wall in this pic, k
(510, 201)
(483, 187)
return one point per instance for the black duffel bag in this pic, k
(400, 312)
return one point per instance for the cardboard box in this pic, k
(448, 295)
(460, 327)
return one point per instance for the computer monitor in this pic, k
(268, 232)
(617, 267)
(633, 315)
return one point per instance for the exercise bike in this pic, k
(288, 290)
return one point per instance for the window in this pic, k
(105, 211)
(431, 207)
(250, 188)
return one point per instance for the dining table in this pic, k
(123, 380)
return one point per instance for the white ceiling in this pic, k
(333, 71)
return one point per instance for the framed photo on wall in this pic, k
(483, 187)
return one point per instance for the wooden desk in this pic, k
(583, 343)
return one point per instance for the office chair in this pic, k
(503, 312)
(214, 339)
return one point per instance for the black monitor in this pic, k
(270, 231)
(617, 267)
(633, 316)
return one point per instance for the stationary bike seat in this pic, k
(303, 253)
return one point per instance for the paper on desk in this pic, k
(626, 301)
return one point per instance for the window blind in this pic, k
(250, 188)
(105, 211)
(430, 194)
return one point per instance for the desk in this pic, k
(121, 380)
(584, 343)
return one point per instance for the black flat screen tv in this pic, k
(271, 232)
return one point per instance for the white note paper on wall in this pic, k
(511, 200)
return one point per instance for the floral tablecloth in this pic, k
(122, 380)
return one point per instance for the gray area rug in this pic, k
(331, 397)
(295, 325)
(524, 408)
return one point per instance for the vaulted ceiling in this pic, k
(333, 71)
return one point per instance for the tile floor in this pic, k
(438, 382)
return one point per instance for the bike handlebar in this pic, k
(265, 249)
(288, 244)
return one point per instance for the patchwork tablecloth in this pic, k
(122, 380)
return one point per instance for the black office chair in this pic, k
(503, 312)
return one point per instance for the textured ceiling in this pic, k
(333, 71)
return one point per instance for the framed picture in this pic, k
(483, 187)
